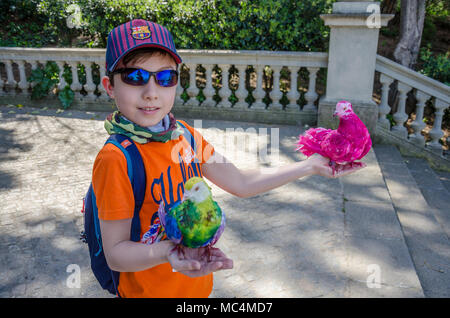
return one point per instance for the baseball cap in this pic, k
(134, 35)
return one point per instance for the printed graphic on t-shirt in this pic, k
(156, 231)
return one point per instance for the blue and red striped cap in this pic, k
(137, 34)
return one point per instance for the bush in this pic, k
(14, 30)
(195, 24)
(436, 67)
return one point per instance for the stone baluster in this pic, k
(418, 125)
(34, 65)
(384, 107)
(241, 92)
(436, 133)
(103, 94)
(311, 94)
(23, 84)
(44, 65)
(10, 81)
(400, 116)
(76, 85)
(2, 84)
(208, 91)
(62, 81)
(225, 91)
(259, 92)
(179, 91)
(192, 90)
(90, 86)
(276, 94)
(293, 94)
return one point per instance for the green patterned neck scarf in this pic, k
(116, 123)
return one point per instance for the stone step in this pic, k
(425, 237)
(374, 240)
(432, 184)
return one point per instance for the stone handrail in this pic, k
(425, 89)
(14, 62)
(208, 59)
(70, 56)
(258, 59)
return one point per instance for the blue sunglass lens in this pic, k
(167, 78)
(138, 77)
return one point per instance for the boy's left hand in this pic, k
(194, 262)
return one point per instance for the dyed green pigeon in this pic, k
(197, 221)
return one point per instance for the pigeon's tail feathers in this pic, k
(309, 142)
(169, 224)
(162, 214)
(219, 231)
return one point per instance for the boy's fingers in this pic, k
(348, 168)
(187, 265)
(213, 266)
(217, 252)
(227, 264)
(220, 258)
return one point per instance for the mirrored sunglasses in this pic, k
(139, 76)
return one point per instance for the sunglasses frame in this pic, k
(121, 71)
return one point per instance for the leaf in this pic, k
(66, 96)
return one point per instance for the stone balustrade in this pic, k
(217, 84)
(233, 66)
(16, 61)
(425, 89)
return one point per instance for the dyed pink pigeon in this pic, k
(350, 142)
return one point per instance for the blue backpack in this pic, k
(91, 235)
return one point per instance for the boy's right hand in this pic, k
(194, 262)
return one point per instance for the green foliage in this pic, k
(429, 30)
(208, 24)
(45, 79)
(14, 32)
(391, 119)
(437, 67)
(282, 25)
(438, 8)
(66, 96)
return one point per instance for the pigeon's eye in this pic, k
(196, 188)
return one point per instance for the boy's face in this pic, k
(131, 100)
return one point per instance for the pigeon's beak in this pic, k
(335, 114)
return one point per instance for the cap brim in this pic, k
(175, 56)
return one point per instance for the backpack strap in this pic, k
(187, 134)
(136, 173)
(135, 166)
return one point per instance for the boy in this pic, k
(142, 64)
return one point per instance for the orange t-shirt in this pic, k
(167, 166)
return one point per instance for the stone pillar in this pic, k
(352, 55)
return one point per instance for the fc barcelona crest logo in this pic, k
(140, 32)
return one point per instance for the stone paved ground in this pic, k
(304, 239)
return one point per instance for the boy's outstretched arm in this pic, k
(247, 183)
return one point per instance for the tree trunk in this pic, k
(411, 27)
